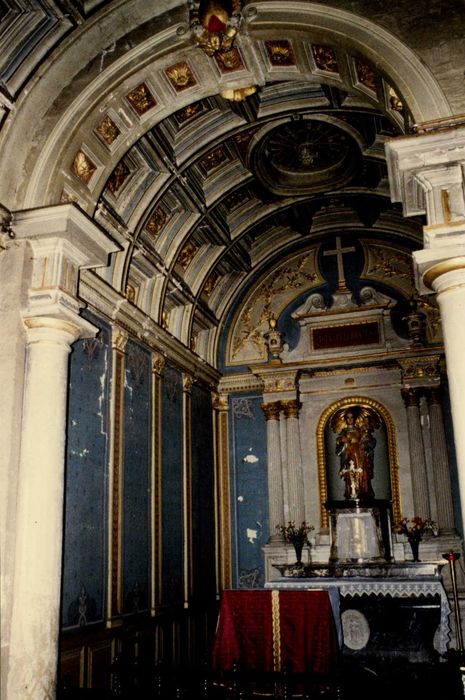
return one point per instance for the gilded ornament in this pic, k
(83, 167)
(213, 159)
(280, 53)
(181, 76)
(158, 362)
(119, 338)
(187, 383)
(395, 102)
(141, 99)
(238, 94)
(325, 58)
(291, 408)
(117, 178)
(156, 221)
(216, 24)
(165, 320)
(365, 74)
(211, 283)
(67, 198)
(229, 61)
(130, 293)
(108, 130)
(271, 410)
(183, 115)
(187, 254)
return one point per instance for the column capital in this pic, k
(291, 408)
(58, 330)
(271, 410)
(411, 397)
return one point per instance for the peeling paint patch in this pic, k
(252, 535)
(250, 459)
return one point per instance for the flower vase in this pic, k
(415, 546)
(298, 546)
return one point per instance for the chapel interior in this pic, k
(232, 298)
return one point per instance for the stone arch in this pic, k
(50, 163)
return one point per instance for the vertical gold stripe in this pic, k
(116, 489)
(157, 500)
(187, 489)
(276, 630)
(225, 554)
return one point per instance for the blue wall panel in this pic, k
(249, 489)
(136, 482)
(203, 494)
(84, 562)
(172, 470)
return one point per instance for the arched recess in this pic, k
(391, 444)
(50, 159)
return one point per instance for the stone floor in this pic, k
(355, 681)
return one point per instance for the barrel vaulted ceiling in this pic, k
(207, 195)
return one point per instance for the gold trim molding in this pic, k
(392, 452)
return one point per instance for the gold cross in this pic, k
(339, 252)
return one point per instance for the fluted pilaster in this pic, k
(417, 454)
(442, 483)
(275, 480)
(294, 461)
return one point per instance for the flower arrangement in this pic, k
(294, 534)
(414, 528)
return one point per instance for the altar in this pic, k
(270, 630)
(400, 616)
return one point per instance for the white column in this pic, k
(275, 480)
(36, 603)
(294, 462)
(60, 240)
(450, 288)
(440, 459)
(417, 454)
(426, 173)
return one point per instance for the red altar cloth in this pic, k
(265, 630)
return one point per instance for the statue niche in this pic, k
(358, 479)
(356, 455)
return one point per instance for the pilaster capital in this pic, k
(291, 408)
(220, 402)
(187, 383)
(271, 410)
(158, 363)
(411, 397)
(119, 338)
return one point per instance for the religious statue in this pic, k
(355, 445)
